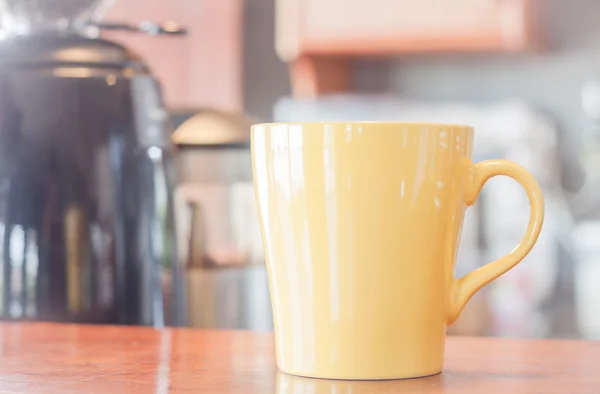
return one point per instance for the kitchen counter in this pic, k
(54, 358)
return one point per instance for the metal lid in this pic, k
(68, 50)
(214, 128)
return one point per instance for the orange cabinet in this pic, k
(203, 68)
(312, 35)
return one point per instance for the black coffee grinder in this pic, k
(86, 173)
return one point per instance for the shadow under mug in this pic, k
(361, 223)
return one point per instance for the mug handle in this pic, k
(464, 288)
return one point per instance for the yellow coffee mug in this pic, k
(361, 223)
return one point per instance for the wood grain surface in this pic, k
(52, 358)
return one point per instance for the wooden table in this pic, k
(49, 358)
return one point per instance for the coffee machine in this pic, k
(86, 173)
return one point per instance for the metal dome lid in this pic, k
(66, 50)
(214, 128)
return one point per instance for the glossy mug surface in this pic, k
(361, 224)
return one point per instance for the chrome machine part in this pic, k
(29, 16)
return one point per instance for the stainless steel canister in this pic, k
(219, 235)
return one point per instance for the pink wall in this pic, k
(203, 68)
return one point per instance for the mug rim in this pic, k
(367, 122)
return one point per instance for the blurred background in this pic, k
(125, 182)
